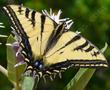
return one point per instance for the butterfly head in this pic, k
(38, 64)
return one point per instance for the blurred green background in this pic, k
(91, 18)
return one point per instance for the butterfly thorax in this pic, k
(36, 64)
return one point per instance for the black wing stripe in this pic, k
(55, 35)
(95, 53)
(78, 63)
(20, 9)
(48, 46)
(27, 12)
(33, 17)
(77, 37)
(89, 49)
(15, 19)
(82, 46)
(43, 18)
(59, 31)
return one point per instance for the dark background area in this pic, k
(91, 18)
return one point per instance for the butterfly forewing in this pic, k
(37, 27)
(73, 48)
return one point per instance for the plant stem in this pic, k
(4, 71)
(17, 82)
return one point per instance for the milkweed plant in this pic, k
(16, 67)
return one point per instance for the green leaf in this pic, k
(20, 69)
(11, 60)
(28, 83)
(14, 73)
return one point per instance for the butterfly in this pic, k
(46, 43)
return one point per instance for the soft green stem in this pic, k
(4, 71)
(17, 86)
(17, 82)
